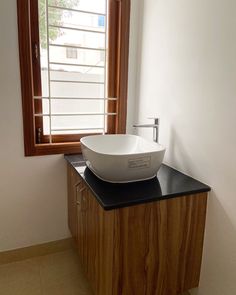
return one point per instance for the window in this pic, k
(74, 71)
(71, 52)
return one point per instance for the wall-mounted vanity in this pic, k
(137, 238)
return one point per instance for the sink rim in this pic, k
(159, 147)
(94, 171)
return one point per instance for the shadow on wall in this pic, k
(219, 257)
(136, 116)
(220, 240)
(182, 157)
(177, 151)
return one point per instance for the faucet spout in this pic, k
(155, 127)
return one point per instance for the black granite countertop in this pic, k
(169, 183)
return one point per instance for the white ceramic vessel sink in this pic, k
(122, 158)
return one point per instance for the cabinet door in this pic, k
(73, 180)
(95, 240)
(82, 224)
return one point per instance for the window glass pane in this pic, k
(76, 20)
(77, 56)
(43, 47)
(44, 82)
(73, 56)
(78, 76)
(77, 122)
(46, 125)
(89, 73)
(76, 106)
(98, 6)
(73, 124)
(77, 38)
(45, 105)
(75, 131)
(82, 90)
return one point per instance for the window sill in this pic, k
(51, 149)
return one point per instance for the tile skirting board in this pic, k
(36, 250)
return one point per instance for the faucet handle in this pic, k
(156, 120)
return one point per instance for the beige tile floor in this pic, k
(55, 274)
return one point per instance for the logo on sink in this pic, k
(141, 162)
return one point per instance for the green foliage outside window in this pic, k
(55, 18)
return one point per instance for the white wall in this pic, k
(33, 201)
(187, 76)
(33, 206)
(134, 48)
(187, 70)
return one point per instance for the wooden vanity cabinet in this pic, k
(148, 249)
(73, 179)
(91, 229)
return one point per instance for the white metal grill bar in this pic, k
(77, 47)
(77, 129)
(75, 114)
(76, 98)
(49, 64)
(105, 72)
(49, 78)
(76, 10)
(75, 65)
(73, 81)
(75, 29)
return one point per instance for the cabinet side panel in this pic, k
(194, 240)
(158, 246)
(185, 233)
(140, 250)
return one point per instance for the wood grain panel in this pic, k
(195, 241)
(158, 246)
(95, 243)
(73, 179)
(147, 249)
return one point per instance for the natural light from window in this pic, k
(73, 57)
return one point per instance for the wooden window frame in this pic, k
(119, 19)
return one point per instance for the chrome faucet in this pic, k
(155, 127)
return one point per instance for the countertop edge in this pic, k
(141, 201)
